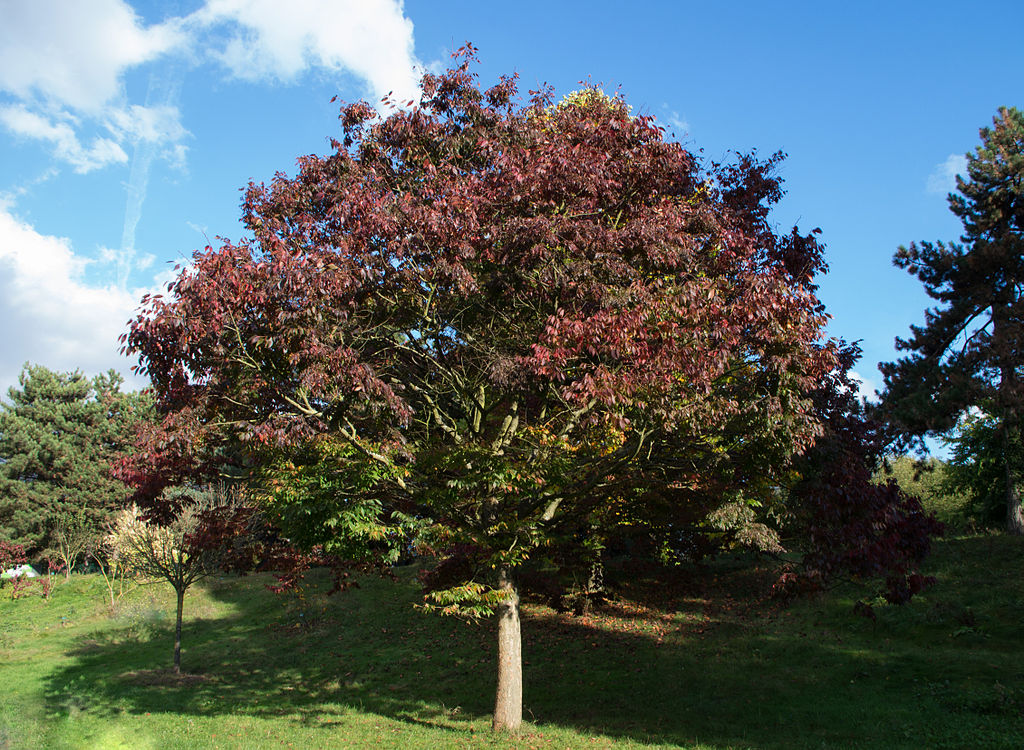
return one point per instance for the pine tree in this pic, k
(968, 351)
(58, 435)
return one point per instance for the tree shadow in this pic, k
(709, 671)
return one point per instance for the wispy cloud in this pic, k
(60, 133)
(942, 180)
(675, 123)
(152, 126)
(159, 123)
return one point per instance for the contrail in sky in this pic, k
(164, 90)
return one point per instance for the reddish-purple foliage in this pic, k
(855, 526)
(613, 272)
(11, 555)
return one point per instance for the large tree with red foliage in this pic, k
(488, 317)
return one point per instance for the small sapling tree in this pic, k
(106, 555)
(53, 568)
(167, 552)
(72, 534)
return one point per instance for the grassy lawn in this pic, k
(698, 660)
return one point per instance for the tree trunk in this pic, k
(1010, 419)
(508, 704)
(177, 632)
(1014, 512)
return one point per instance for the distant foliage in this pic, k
(12, 556)
(928, 480)
(977, 466)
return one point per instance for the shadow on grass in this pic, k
(708, 668)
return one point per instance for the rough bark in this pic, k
(1009, 386)
(508, 704)
(1014, 511)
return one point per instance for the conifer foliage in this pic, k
(484, 318)
(968, 352)
(59, 435)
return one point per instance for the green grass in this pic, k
(700, 659)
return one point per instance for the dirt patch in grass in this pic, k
(163, 678)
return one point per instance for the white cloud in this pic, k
(51, 315)
(71, 53)
(942, 180)
(270, 39)
(8, 197)
(63, 138)
(866, 388)
(64, 62)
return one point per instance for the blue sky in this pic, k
(127, 128)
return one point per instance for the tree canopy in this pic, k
(489, 320)
(59, 435)
(968, 352)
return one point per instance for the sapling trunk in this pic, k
(177, 631)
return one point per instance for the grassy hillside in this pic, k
(698, 659)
